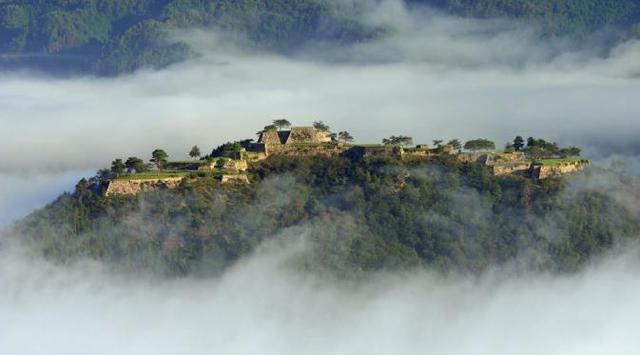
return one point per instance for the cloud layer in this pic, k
(431, 77)
(261, 306)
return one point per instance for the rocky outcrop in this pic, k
(133, 187)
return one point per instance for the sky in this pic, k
(431, 77)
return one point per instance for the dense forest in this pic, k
(357, 215)
(109, 37)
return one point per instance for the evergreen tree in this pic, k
(159, 158)
(281, 124)
(518, 143)
(195, 152)
(118, 167)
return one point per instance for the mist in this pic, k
(264, 306)
(23, 192)
(431, 76)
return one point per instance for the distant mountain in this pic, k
(555, 16)
(110, 37)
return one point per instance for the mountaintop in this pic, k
(361, 208)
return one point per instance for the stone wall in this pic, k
(384, 151)
(547, 171)
(307, 135)
(133, 187)
(270, 138)
(518, 168)
(240, 165)
(238, 179)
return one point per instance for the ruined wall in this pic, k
(238, 179)
(509, 157)
(472, 157)
(547, 171)
(310, 150)
(386, 151)
(133, 187)
(307, 135)
(270, 138)
(240, 165)
(519, 168)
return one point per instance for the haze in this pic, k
(432, 77)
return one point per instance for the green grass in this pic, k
(560, 161)
(155, 175)
(373, 145)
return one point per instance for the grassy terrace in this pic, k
(560, 161)
(164, 174)
(155, 175)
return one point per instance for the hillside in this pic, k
(110, 37)
(361, 209)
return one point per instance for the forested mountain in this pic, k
(555, 16)
(115, 36)
(357, 216)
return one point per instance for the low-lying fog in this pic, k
(262, 307)
(432, 77)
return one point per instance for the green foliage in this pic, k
(345, 137)
(479, 144)
(155, 175)
(358, 215)
(321, 126)
(118, 167)
(542, 149)
(281, 124)
(159, 158)
(135, 164)
(398, 140)
(555, 16)
(114, 36)
(518, 143)
(232, 150)
(194, 152)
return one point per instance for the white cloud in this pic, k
(261, 306)
(432, 77)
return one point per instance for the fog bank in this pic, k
(23, 192)
(262, 306)
(431, 76)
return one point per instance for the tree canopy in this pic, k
(159, 158)
(195, 152)
(398, 140)
(109, 37)
(321, 126)
(479, 144)
(281, 124)
(135, 164)
(359, 215)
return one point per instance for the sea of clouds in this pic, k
(261, 306)
(432, 76)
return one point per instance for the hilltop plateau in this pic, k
(360, 207)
